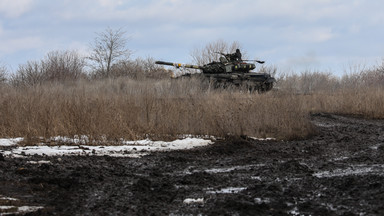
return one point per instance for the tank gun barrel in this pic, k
(165, 63)
(178, 65)
(258, 61)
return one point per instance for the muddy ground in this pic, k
(338, 171)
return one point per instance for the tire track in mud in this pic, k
(337, 171)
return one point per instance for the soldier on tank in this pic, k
(237, 55)
(234, 56)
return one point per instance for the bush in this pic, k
(57, 66)
(308, 83)
(139, 69)
(3, 74)
(363, 79)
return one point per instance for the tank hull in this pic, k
(259, 82)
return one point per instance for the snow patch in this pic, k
(263, 139)
(39, 162)
(194, 201)
(294, 211)
(13, 209)
(7, 207)
(10, 142)
(261, 201)
(128, 149)
(339, 159)
(354, 170)
(229, 169)
(258, 178)
(17, 210)
(376, 147)
(8, 198)
(228, 190)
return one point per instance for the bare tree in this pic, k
(3, 73)
(108, 48)
(208, 53)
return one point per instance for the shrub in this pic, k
(57, 66)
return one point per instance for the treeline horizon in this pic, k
(64, 66)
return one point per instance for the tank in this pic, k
(230, 72)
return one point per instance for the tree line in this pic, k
(109, 58)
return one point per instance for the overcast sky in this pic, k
(294, 35)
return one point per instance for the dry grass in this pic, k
(367, 103)
(122, 108)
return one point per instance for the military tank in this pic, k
(229, 71)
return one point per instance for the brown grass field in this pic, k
(112, 109)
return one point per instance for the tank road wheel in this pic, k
(262, 88)
(269, 86)
(252, 89)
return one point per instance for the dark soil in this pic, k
(339, 171)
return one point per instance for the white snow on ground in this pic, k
(261, 200)
(10, 142)
(11, 209)
(18, 210)
(362, 169)
(376, 147)
(294, 211)
(7, 198)
(263, 139)
(128, 149)
(229, 190)
(229, 169)
(194, 201)
(39, 162)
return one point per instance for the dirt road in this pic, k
(340, 170)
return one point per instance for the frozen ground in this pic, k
(338, 171)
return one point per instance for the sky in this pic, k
(292, 35)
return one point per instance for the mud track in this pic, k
(338, 171)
